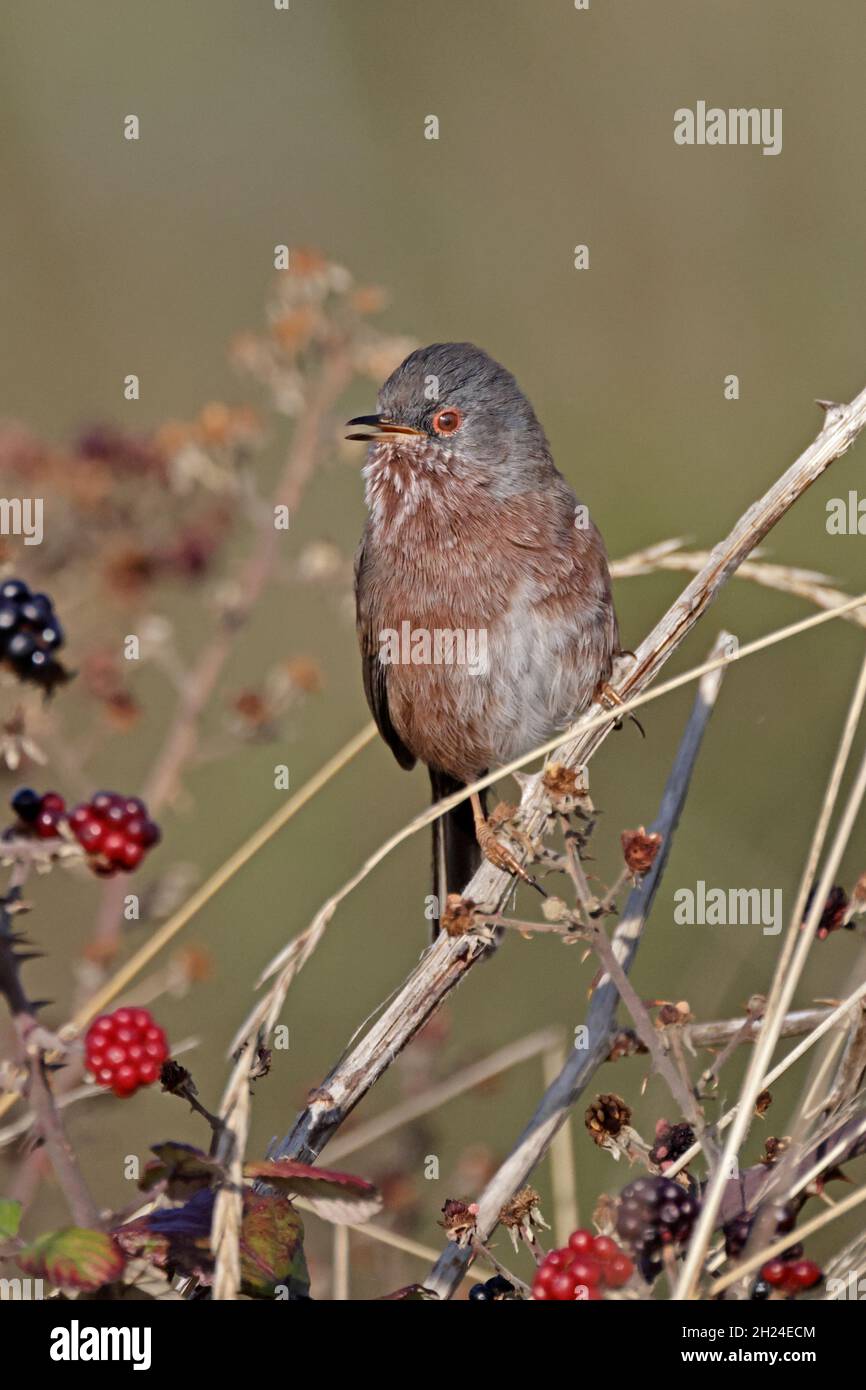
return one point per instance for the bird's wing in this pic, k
(374, 671)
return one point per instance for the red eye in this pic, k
(448, 420)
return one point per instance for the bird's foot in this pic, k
(495, 852)
(611, 699)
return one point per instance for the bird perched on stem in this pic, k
(484, 606)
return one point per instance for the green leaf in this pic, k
(272, 1248)
(177, 1239)
(10, 1218)
(74, 1258)
(338, 1197)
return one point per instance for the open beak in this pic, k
(377, 429)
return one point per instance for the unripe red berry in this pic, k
(46, 824)
(581, 1242)
(803, 1274)
(774, 1272)
(125, 1050)
(618, 1271)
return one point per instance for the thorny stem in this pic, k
(47, 1117)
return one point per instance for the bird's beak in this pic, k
(378, 429)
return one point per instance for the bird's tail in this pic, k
(456, 853)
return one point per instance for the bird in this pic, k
(485, 616)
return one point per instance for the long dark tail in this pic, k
(456, 854)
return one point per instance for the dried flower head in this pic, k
(626, 1043)
(834, 914)
(640, 848)
(522, 1216)
(606, 1116)
(459, 915)
(566, 789)
(672, 1015)
(459, 1221)
(774, 1147)
(763, 1103)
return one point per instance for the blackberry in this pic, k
(30, 635)
(26, 803)
(738, 1230)
(499, 1286)
(671, 1142)
(653, 1213)
(478, 1294)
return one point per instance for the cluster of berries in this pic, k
(654, 1212)
(580, 1270)
(125, 1050)
(114, 830)
(788, 1276)
(494, 1291)
(30, 635)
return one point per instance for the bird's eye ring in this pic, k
(448, 420)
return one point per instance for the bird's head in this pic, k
(452, 404)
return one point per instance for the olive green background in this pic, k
(556, 128)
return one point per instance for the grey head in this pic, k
(455, 396)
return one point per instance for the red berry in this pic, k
(125, 1050)
(559, 1259)
(618, 1271)
(585, 1270)
(546, 1274)
(135, 829)
(803, 1274)
(113, 845)
(80, 815)
(52, 802)
(582, 1242)
(101, 802)
(125, 1080)
(604, 1248)
(563, 1286)
(131, 855)
(774, 1273)
(539, 1292)
(46, 824)
(90, 835)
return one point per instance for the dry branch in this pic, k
(582, 1063)
(445, 964)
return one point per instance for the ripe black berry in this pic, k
(478, 1294)
(27, 803)
(30, 635)
(654, 1212)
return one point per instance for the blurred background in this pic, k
(306, 127)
